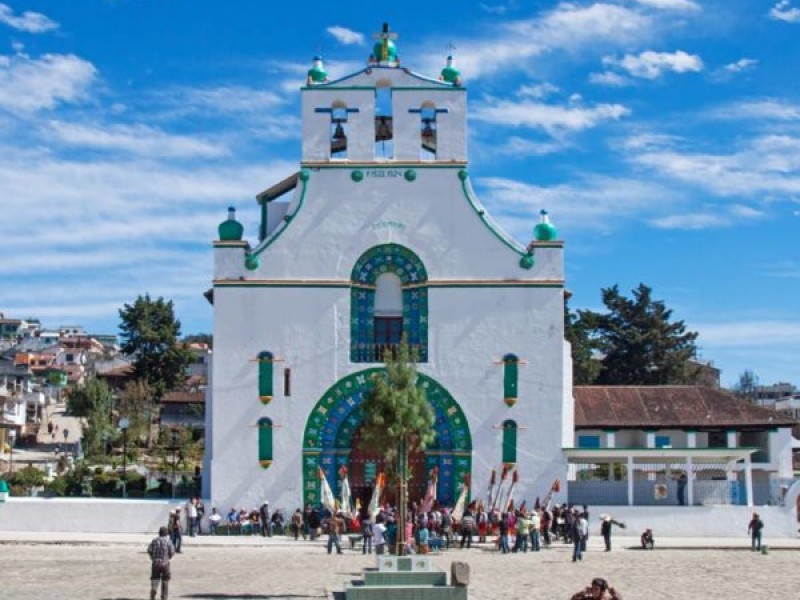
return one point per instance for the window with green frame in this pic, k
(509, 441)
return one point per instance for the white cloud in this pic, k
(783, 11)
(594, 202)
(609, 78)
(553, 119)
(749, 333)
(568, 27)
(136, 139)
(651, 65)
(521, 148)
(346, 36)
(28, 84)
(537, 91)
(743, 64)
(772, 109)
(723, 216)
(786, 269)
(764, 167)
(679, 5)
(30, 22)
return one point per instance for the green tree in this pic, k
(640, 345)
(150, 334)
(746, 386)
(398, 419)
(94, 401)
(137, 402)
(578, 331)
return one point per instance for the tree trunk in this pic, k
(402, 512)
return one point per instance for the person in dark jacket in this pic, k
(754, 529)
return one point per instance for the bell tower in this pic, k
(384, 113)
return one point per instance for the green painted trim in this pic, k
(287, 219)
(313, 165)
(340, 395)
(559, 244)
(346, 284)
(415, 88)
(625, 449)
(222, 244)
(481, 212)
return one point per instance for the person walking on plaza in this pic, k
(467, 524)
(605, 530)
(191, 513)
(366, 535)
(754, 529)
(176, 529)
(263, 512)
(335, 529)
(533, 529)
(161, 551)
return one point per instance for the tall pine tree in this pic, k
(150, 334)
(640, 345)
(399, 420)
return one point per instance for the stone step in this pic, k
(383, 578)
(405, 592)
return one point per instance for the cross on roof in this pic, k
(385, 34)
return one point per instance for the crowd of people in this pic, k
(511, 531)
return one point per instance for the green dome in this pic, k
(317, 73)
(545, 231)
(450, 73)
(231, 230)
(391, 52)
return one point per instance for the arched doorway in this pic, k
(332, 440)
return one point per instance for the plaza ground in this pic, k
(104, 566)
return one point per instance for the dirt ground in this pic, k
(97, 571)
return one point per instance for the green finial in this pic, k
(384, 51)
(252, 262)
(450, 73)
(317, 72)
(230, 230)
(545, 231)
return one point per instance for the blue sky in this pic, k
(662, 135)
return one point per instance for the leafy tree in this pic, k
(578, 329)
(399, 420)
(150, 333)
(746, 386)
(640, 345)
(93, 401)
(137, 403)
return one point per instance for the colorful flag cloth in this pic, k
(430, 494)
(374, 503)
(458, 509)
(510, 498)
(490, 492)
(346, 504)
(328, 501)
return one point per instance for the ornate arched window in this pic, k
(388, 301)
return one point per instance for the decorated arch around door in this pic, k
(337, 417)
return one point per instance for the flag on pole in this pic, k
(510, 500)
(328, 501)
(500, 498)
(430, 494)
(458, 509)
(347, 503)
(548, 497)
(490, 491)
(374, 503)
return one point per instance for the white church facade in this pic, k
(383, 238)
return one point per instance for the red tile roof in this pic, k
(670, 406)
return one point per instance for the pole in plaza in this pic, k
(12, 437)
(174, 433)
(123, 425)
